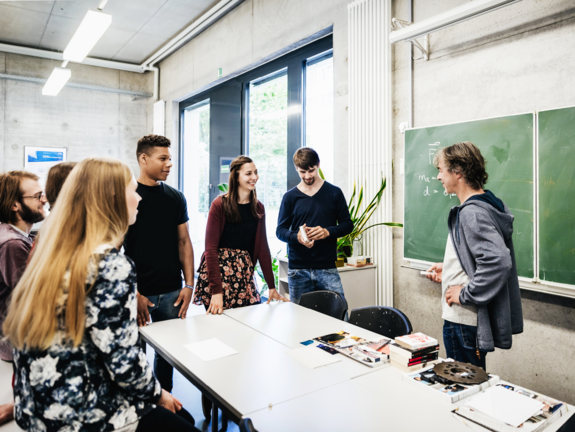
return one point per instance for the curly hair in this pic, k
(148, 142)
(464, 158)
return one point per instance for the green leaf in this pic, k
(321, 174)
(223, 187)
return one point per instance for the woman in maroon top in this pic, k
(235, 240)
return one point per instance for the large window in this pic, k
(267, 114)
(195, 185)
(267, 145)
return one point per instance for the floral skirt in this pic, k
(237, 273)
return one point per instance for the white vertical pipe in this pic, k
(369, 116)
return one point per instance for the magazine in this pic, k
(372, 353)
(551, 410)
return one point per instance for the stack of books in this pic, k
(413, 351)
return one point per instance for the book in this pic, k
(415, 341)
(450, 392)
(413, 368)
(520, 410)
(416, 360)
(372, 353)
(407, 353)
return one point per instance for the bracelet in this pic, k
(190, 287)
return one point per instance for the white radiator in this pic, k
(370, 150)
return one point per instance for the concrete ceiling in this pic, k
(139, 27)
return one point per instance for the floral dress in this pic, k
(105, 383)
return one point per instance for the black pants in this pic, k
(161, 419)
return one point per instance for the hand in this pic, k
(317, 233)
(273, 294)
(300, 239)
(452, 294)
(6, 412)
(186, 297)
(143, 314)
(437, 272)
(168, 401)
(216, 305)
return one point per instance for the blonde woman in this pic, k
(72, 319)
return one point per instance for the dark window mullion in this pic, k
(295, 117)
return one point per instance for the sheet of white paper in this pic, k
(210, 349)
(313, 357)
(505, 405)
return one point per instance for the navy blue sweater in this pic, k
(327, 209)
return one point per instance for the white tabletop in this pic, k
(261, 373)
(375, 402)
(291, 324)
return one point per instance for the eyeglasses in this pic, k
(38, 196)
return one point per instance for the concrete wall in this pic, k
(513, 60)
(86, 122)
(254, 30)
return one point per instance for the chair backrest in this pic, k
(246, 425)
(325, 302)
(386, 321)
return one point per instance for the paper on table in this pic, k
(210, 349)
(313, 357)
(505, 405)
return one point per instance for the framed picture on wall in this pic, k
(39, 160)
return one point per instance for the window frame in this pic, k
(295, 62)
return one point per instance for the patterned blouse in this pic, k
(103, 384)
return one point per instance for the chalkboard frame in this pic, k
(532, 284)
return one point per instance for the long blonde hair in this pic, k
(91, 210)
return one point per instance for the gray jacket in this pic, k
(481, 236)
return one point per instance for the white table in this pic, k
(290, 324)
(261, 373)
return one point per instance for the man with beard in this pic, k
(320, 208)
(22, 203)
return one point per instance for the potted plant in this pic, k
(360, 220)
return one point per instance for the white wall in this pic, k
(87, 122)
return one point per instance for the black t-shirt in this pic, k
(152, 242)
(240, 235)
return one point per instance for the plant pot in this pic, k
(339, 262)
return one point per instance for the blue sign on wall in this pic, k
(46, 156)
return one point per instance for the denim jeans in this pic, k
(302, 281)
(163, 310)
(461, 344)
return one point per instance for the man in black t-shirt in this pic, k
(159, 244)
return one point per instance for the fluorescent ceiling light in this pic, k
(453, 16)
(57, 80)
(93, 26)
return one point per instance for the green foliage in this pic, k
(360, 219)
(223, 187)
(275, 269)
(268, 138)
(203, 161)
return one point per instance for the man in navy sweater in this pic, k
(321, 209)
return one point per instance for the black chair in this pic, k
(246, 425)
(386, 321)
(326, 302)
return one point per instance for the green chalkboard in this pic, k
(556, 204)
(507, 143)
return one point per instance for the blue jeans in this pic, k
(461, 344)
(163, 310)
(302, 281)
